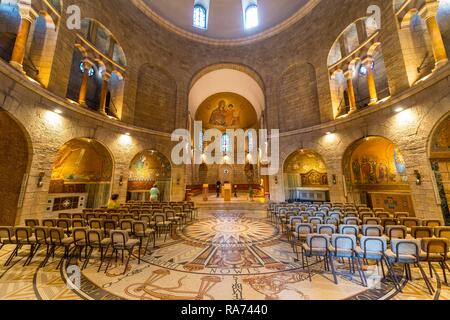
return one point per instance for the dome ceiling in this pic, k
(226, 18)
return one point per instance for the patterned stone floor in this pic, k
(225, 255)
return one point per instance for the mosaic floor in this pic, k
(223, 255)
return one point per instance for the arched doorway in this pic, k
(375, 174)
(81, 176)
(440, 164)
(148, 168)
(305, 177)
(14, 165)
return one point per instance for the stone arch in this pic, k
(82, 173)
(439, 155)
(149, 168)
(156, 99)
(376, 174)
(305, 176)
(15, 165)
(227, 77)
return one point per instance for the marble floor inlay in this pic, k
(228, 254)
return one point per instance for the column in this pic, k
(368, 63)
(104, 92)
(84, 83)
(351, 91)
(20, 45)
(428, 13)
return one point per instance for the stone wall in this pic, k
(305, 45)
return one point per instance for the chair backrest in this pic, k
(304, 228)
(79, 234)
(336, 215)
(94, 236)
(410, 222)
(139, 227)
(126, 224)
(41, 234)
(294, 220)
(90, 216)
(56, 235)
(363, 215)
(318, 241)
(32, 223)
(351, 220)
(373, 244)
(431, 223)
(396, 232)
(103, 216)
(159, 217)
(399, 215)
(442, 232)
(6, 233)
(23, 234)
(421, 232)
(372, 230)
(115, 217)
(406, 247)
(49, 223)
(382, 215)
(389, 222)
(332, 220)
(343, 241)
(109, 225)
(372, 221)
(315, 220)
(65, 215)
(95, 224)
(328, 229)
(77, 216)
(77, 223)
(119, 238)
(435, 246)
(348, 229)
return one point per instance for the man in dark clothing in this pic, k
(218, 185)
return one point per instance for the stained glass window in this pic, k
(226, 147)
(251, 16)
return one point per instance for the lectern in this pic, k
(227, 192)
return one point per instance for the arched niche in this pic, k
(81, 176)
(305, 177)
(9, 26)
(440, 164)
(375, 174)
(14, 167)
(149, 168)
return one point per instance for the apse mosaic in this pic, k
(227, 111)
(376, 161)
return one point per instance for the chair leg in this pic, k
(360, 271)
(431, 270)
(425, 278)
(307, 265)
(392, 274)
(110, 258)
(128, 261)
(86, 262)
(330, 258)
(12, 255)
(105, 254)
(444, 271)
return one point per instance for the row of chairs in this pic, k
(86, 239)
(405, 252)
(164, 223)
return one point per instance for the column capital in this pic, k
(87, 64)
(367, 61)
(429, 9)
(348, 74)
(106, 75)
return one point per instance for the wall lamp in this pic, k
(418, 177)
(121, 181)
(334, 178)
(40, 182)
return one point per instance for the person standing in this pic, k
(154, 193)
(114, 202)
(218, 186)
(250, 193)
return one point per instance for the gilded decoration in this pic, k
(82, 161)
(147, 168)
(227, 111)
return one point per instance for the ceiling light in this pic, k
(399, 109)
(58, 111)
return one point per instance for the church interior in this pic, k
(224, 150)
